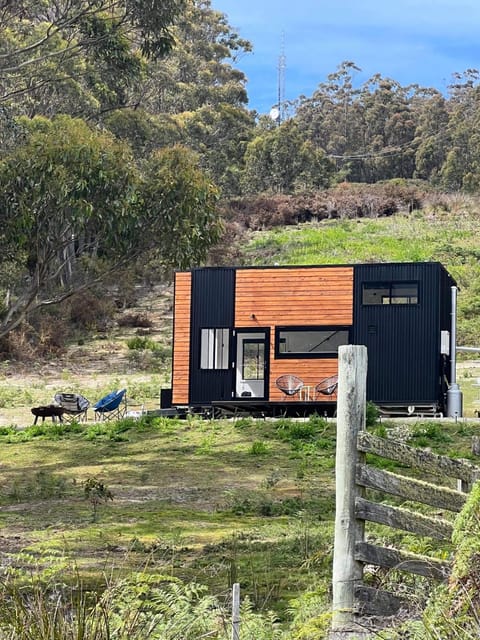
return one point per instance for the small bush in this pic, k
(428, 432)
(291, 430)
(91, 312)
(258, 448)
(243, 423)
(135, 320)
(141, 343)
(372, 414)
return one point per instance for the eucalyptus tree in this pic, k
(461, 169)
(74, 206)
(201, 88)
(332, 118)
(432, 135)
(65, 49)
(389, 129)
(281, 159)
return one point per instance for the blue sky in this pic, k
(411, 41)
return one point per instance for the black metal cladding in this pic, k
(403, 340)
(213, 307)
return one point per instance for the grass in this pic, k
(197, 500)
(191, 509)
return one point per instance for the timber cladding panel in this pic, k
(312, 296)
(294, 296)
(181, 337)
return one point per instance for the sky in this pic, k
(410, 41)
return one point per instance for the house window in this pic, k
(310, 342)
(386, 293)
(214, 348)
(253, 363)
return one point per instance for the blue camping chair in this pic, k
(111, 407)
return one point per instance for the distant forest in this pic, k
(165, 73)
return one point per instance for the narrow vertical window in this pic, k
(214, 348)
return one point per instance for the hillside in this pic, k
(445, 229)
(139, 357)
(210, 501)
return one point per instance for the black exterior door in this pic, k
(211, 372)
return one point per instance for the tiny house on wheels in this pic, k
(265, 340)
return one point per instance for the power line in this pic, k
(398, 151)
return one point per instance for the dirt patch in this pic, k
(102, 361)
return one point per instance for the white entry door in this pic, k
(250, 364)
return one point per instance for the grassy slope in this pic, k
(215, 501)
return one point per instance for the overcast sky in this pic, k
(411, 41)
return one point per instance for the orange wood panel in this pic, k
(295, 297)
(181, 338)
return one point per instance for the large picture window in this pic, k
(385, 293)
(214, 348)
(310, 342)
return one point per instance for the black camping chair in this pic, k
(74, 406)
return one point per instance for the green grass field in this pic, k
(206, 501)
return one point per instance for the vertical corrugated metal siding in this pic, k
(403, 341)
(212, 307)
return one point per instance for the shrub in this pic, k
(91, 312)
(140, 343)
(372, 414)
(258, 448)
(135, 320)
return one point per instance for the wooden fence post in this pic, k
(236, 611)
(348, 572)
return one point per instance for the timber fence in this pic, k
(352, 599)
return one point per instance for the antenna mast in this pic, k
(282, 65)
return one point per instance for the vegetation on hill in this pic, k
(122, 121)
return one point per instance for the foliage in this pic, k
(344, 201)
(56, 53)
(157, 607)
(142, 342)
(97, 493)
(74, 207)
(66, 193)
(259, 448)
(372, 414)
(452, 612)
(180, 204)
(135, 320)
(282, 160)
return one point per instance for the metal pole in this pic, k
(236, 611)
(453, 339)
(454, 395)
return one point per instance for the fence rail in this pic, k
(354, 477)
